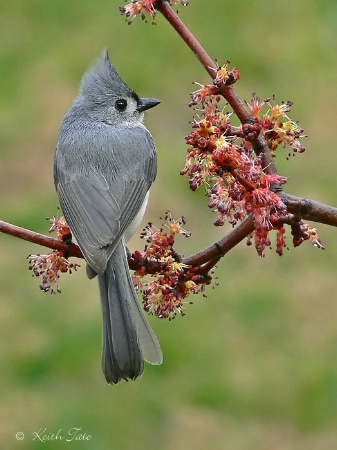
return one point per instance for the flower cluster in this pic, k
(51, 265)
(277, 127)
(143, 8)
(49, 268)
(171, 281)
(221, 157)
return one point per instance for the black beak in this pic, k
(147, 103)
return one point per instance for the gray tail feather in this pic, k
(128, 339)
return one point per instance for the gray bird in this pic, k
(105, 163)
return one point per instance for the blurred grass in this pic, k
(255, 364)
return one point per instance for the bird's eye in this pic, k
(121, 104)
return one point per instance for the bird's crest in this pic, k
(102, 80)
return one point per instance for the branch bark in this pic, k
(308, 209)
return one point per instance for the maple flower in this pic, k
(280, 240)
(315, 240)
(51, 265)
(276, 126)
(144, 7)
(225, 76)
(169, 280)
(60, 226)
(176, 226)
(302, 232)
(261, 238)
(49, 268)
(205, 93)
(256, 106)
(138, 7)
(284, 133)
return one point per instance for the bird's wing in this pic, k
(102, 189)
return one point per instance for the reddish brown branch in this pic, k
(40, 239)
(187, 36)
(308, 209)
(211, 67)
(223, 246)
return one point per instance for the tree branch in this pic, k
(308, 209)
(219, 249)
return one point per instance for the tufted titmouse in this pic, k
(105, 163)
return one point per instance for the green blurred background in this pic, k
(253, 366)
